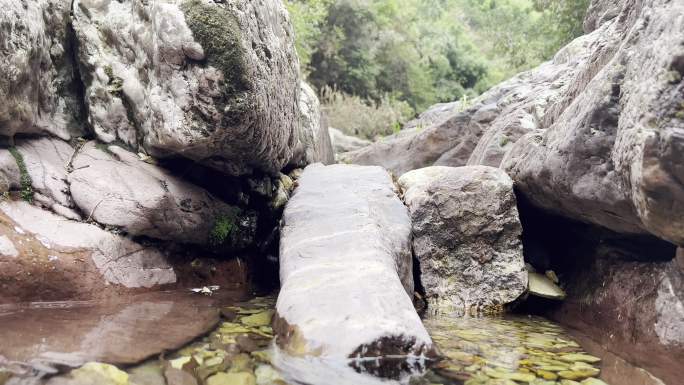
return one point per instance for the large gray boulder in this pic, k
(216, 82)
(114, 187)
(613, 156)
(466, 236)
(346, 267)
(38, 82)
(46, 161)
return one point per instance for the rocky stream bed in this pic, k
(152, 341)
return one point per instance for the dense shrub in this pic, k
(356, 116)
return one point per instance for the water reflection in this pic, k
(123, 332)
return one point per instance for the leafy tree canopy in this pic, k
(427, 51)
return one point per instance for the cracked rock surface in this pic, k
(115, 188)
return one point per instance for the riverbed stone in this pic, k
(38, 83)
(345, 266)
(466, 236)
(216, 82)
(114, 187)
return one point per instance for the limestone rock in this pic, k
(38, 82)
(345, 265)
(9, 172)
(634, 308)
(116, 188)
(613, 156)
(46, 161)
(342, 142)
(73, 259)
(215, 82)
(314, 143)
(466, 236)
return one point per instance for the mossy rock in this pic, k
(218, 32)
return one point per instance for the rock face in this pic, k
(648, 326)
(46, 161)
(115, 188)
(466, 236)
(38, 84)
(594, 134)
(214, 82)
(74, 259)
(314, 143)
(612, 156)
(345, 264)
(345, 143)
(629, 285)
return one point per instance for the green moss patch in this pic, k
(224, 226)
(25, 179)
(218, 31)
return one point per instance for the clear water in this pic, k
(239, 350)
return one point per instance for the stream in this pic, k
(68, 344)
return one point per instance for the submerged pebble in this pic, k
(511, 350)
(477, 351)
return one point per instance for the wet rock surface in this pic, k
(345, 252)
(466, 236)
(627, 285)
(72, 259)
(123, 331)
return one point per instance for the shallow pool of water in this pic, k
(41, 342)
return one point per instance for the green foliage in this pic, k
(24, 179)
(400, 48)
(307, 18)
(515, 35)
(223, 227)
(424, 52)
(356, 116)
